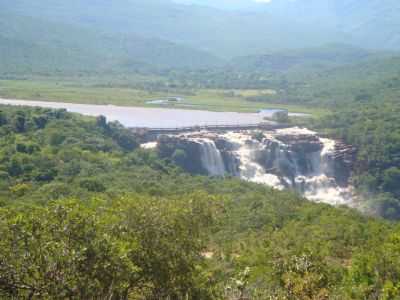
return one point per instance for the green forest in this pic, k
(87, 214)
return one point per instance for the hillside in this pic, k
(376, 78)
(360, 91)
(363, 100)
(319, 58)
(34, 45)
(78, 199)
(90, 209)
(222, 33)
(131, 36)
(370, 23)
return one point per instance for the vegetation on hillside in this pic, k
(129, 248)
(361, 106)
(356, 102)
(373, 128)
(85, 213)
(44, 46)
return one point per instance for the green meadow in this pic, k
(124, 93)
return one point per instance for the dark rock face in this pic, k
(225, 147)
(192, 163)
(343, 162)
(223, 144)
(305, 143)
(301, 154)
(298, 155)
(231, 163)
(167, 145)
(287, 156)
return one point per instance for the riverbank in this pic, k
(150, 117)
(92, 91)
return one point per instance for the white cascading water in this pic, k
(211, 157)
(249, 169)
(275, 160)
(316, 184)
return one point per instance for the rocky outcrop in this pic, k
(305, 143)
(343, 162)
(288, 155)
(226, 148)
(319, 168)
(190, 158)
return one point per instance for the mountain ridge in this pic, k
(133, 35)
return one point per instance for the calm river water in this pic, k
(150, 117)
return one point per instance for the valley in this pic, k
(138, 92)
(284, 157)
(200, 150)
(101, 179)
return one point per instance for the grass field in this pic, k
(92, 91)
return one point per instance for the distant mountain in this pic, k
(222, 33)
(327, 57)
(371, 23)
(39, 45)
(127, 35)
(364, 23)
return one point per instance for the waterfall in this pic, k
(321, 186)
(290, 158)
(211, 157)
(277, 164)
(246, 151)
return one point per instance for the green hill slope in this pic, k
(225, 34)
(34, 45)
(85, 213)
(164, 34)
(327, 57)
(370, 23)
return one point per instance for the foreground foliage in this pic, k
(135, 248)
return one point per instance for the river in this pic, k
(149, 117)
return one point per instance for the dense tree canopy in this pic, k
(374, 129)
(84, 216)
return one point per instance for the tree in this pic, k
(101, 122)
(56, 138)
(19, 122)
(375, 274)
(15, 167)
(40, 121)
(124, 249)
(126, 140)
(391, 180)
(3, 118)
(92, 185)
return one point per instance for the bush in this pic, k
(130, 249)
(92, 185)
